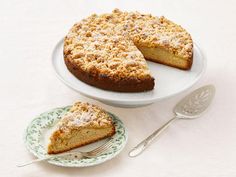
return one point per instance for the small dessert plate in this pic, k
(37, 136)
(169, 81)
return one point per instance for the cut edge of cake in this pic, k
(162, 56)
(53, 150)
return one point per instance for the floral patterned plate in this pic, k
(37, 135)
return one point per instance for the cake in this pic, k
(109, 51)
(84, 123)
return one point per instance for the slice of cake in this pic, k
(83, 124)
(109, 51)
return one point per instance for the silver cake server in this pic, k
(190, 107)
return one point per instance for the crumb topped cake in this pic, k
(109, 51)
(83, 124)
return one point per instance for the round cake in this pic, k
(109, 51)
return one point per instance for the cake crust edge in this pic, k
(108, 83)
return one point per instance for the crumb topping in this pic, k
(109, 42)
(84, 114)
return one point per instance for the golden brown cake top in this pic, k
(108, 42)
(84, 114)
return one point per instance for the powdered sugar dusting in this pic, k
(83, 118)
(82, 114)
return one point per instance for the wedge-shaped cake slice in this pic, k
(83, 124)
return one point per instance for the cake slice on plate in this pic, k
(83, 124)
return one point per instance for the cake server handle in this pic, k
(144, 144)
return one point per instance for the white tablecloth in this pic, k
(202, 147)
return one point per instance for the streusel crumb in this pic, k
(109, 42)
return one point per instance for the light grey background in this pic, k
(28, 86)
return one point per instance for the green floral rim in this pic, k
(33, 137)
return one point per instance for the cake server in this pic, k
(190, 107)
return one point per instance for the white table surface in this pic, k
(203, 147)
